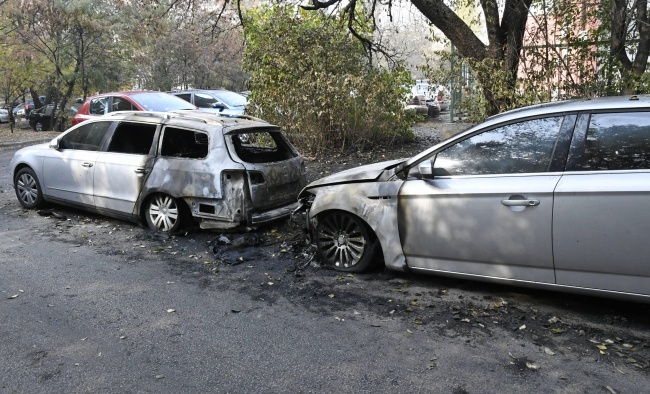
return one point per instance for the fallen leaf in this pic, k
(553, 320)
(549, 351)
(611, 390)
(418, 321)
(12, 297)
(160, 376)
(601, 347)
(170, 310)
(331, 295)
(522, 327)
(532, 366)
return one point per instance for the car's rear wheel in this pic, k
(346, 242)
(164, 213)
(28, 189)
(38, 126)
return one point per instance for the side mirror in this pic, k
(79, 100)
(425, 169)
(218, 106)
(54, 144)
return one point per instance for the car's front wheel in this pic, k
(164, 213)
(346, 242)
(28, 189)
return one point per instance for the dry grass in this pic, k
(22, 133)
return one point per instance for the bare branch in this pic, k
(317, 5)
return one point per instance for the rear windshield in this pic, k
(159, 101)
(262, 147)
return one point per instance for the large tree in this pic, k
(504, 22)
(630, 34)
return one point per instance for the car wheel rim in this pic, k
(39, 127)
(27, 189)
(341, 240)
(163, 212)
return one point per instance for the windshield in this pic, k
(231, 99)
(159, 101)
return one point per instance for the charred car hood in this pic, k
(365, 173)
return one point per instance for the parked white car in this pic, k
(166, 170)
(4, 115)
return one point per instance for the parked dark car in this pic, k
(41, 119)
(550, 196)
(128, 101)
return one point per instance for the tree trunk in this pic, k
(501, 54)
(631, 70)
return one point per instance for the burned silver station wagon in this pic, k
(553, 196)
(166, 169)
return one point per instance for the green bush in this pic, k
(309, 76)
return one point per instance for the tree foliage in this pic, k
(525, 51)
(309, 76)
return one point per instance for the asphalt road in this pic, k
(91, 304)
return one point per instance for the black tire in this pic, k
(28, 189)
(164, 213)
(38, 126)
(346, 242)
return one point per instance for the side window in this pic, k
(202, 100)
(186, 97)
(122, 104)
(86, 137)
(134, 138)
(98, 106)
(617, 141)
(525, 147)
(184, 143)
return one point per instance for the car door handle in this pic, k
(141, 171)
(86, 164)
(520, 203)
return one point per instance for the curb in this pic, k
(22, 144)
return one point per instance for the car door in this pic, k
(121, 170)
(487, 209)
(68, 171)
(601, 219)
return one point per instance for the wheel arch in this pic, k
(379, 214)
(144, 200)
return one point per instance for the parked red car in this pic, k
(129, 101)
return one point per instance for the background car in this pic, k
(222, 101)
(19, 110)
(128, 101)
(4, 115)
(418, 105)
(166, 170)
(29, 104)
(41, 119)
(549, 196)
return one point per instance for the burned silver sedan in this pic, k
(166, 170)
(552, 196)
